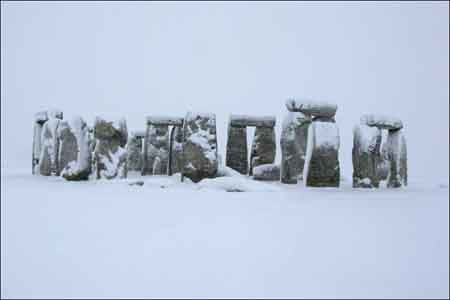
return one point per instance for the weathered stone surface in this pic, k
(293, 146)
(263, 147)
(74, 154)
(381, 121)
(110, 156)
(314, 108)
(134, 148)
(397, 154)
(267, 172)
(383, 162)
(365, 156)
(164, 120)
(156, 150)
(322, 155)
(39, 119)
(48, 160)
(200, 146)
(237, 153)
(176, 150)
(257, 121)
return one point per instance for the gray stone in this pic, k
(313, 108)
(263, 147)
(397, 155)
(110, 155)
(156, 150)
(365, 156)
(74, 157)
(267, 172)
(48, 160)
(322, 156)
(237, 153)
(176, 150)
(134, 148)
(383, 163)
(381, 121)
(293, 146)
(200, 146)
(164, 120)
(256, 121)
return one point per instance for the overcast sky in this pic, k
(138, 59)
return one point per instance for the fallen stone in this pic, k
(381, 121)
(365, 156)
(110, 155)
(314, 108)
(322, 161)
(267, 172)
(293, 146)
(263, 147)
(200, 146)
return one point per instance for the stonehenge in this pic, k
(263, 148)
(373, 160)
(200, 158)
(321, 166)
(188, 145)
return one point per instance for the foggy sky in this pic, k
(145, 58)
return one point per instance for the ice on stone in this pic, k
(48, 161)
(263, 147)
(156, 150)
(176, 150)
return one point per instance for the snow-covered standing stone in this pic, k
(48, 160)
(252, 121)
(293, 140)
(134, 149)
(383, 161)
(110, 155)
(156, 150)
(365, 156)
(313, 108)
(176, 150)
(263, 147)
(397, 155)
(322, 155)
(200, 159)
(267, 172)
(74, 153)
(237, 153)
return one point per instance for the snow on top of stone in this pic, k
(55, 113)
(41, 116)
(191, 115)
(246, 120)
(381, 121)
(261, 169)
(202, 137)
(165, 120)
(310, 107)
(326, 134)
(294, 118)
(138, 133)
(367, 136)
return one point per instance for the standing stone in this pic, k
(176, 150)
(263, 147)
(322, 161)
(383, 163)
(200, 159)
(48, 160)
(237, 153)
(397, 155)
(156, 150)
(365, 156)
(110, 155)
(293, 146)
(74, 154)
(134, 148)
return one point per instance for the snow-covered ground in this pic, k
(171, 239)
